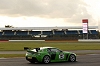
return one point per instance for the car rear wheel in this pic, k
(46, 59)
(72, 58)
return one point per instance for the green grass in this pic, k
(18, 46)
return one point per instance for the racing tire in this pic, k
(72, 58)
(46, 59)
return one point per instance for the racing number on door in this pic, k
(61, 56)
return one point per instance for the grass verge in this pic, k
(18, 46)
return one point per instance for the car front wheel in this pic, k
(46, 59)
(72, 58)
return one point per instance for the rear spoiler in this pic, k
(27, 48)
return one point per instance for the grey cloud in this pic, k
(70, 10)
(50, 8)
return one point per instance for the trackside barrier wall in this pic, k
(49, 40)
(26, 40)
(80, 40)
(89, 40)
(61, 40)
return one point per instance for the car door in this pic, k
(56, 54)
(59, 55)
(52, 53)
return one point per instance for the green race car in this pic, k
(49, 54)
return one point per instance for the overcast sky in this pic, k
(38, 13)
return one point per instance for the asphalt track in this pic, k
(82, 60)
(92, 58)
(75, 51)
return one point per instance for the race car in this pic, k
(48, 54)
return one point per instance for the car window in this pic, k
(49, 50)
(55, 50)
